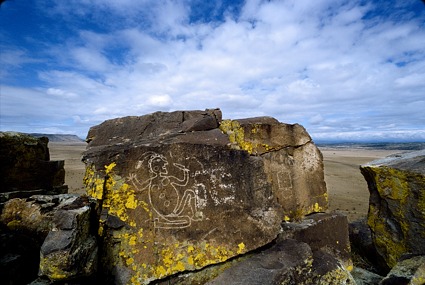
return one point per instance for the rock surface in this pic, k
(292, 162)
(19, 253)
(315, 250)
(53, 227)
(397, 205)
(286, 261)
(324, 232)
(365, 277)
(306, 252)
(363, 250)
(408, 271)
(26, 168)
(70, 249)
(179, 191)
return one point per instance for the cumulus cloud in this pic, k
(333, 66)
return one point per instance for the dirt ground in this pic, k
(347, 188)
(74, 167)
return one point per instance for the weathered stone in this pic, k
(58, 226)
(35, 214)
(19, 257)
(26, 216)
(326, 236)
(26, 166)
(70, 250)
(363, 250)
(190, 199)
(409, 271)
(285, 263)
(25, 224)
(155, 126)
(201, 120)
(397, 204)
(325, 232)
(42, 281)
(365, 277)
(327, 270)
(204, 275)
(291, 161)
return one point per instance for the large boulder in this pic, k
(26, 168)
(315, 250)
(288, 260)
(182, 190)
(409, 271)
(19, 257)
(363, 250)
(365, 277)
(327, 232)
(70, 248)
(47, 234)
(397, 205)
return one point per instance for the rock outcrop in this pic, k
(306, 252)
(397, 205)
(410, 271)
(70, 249)
(49, 235)
(26, 168)
(323, 232)
(179, 191)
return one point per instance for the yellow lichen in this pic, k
(241, 248)
(93, 184)
(384, 238)
(236, 135)
(129, 261)
(132, 240)
(110, 167)
(119, 196)
(190, 249)
(393, 184)
(131, 202)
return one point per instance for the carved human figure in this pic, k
(173, 209)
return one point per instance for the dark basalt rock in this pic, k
(325, 232)
(397, 205)
(407, 271)
(191, 190)
(26, 168)
(363, 250)
(50, 235)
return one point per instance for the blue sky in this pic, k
(345, 70)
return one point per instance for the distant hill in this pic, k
(59, 137)
(375, 145)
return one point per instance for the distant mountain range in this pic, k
(58, 137)
(374, 145)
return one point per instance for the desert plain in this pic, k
(347, 189)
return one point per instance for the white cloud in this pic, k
(159, 101)
(411, 80)
(60, 93)
(15, 57)
(316, 119)
(326, 64)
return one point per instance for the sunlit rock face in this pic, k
(179, 191)
(397, 205)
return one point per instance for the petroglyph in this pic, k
(174, 204)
